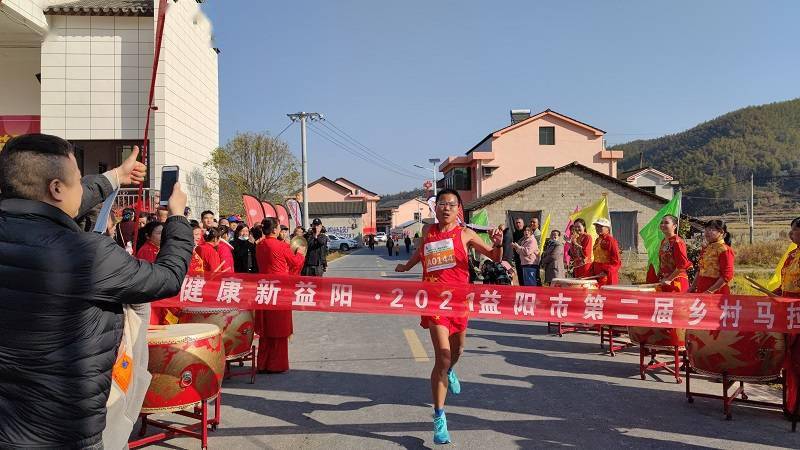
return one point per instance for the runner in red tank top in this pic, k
(444, 260)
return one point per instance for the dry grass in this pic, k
(760, 254)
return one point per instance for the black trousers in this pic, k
(312, 271)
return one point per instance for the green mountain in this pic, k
(714, 160)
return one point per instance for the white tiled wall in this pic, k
(30, 10)
(187, 121)
(91, 83)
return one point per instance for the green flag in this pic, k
(651, 233)
(481, 217)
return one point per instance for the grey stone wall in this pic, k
(560, 194)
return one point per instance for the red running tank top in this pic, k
(444, 258)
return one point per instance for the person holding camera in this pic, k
(64, 291)
(316, 261)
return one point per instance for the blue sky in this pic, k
(418, 79)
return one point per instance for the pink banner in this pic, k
(543, 304)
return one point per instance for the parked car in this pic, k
(380, 237)
(341, 243)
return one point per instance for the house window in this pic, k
(459, 178)
(417, 216)
(650, 189)
(541, 170)
(547, 135)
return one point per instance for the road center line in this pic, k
(417, 350)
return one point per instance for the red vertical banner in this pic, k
(254, 213)
(282, 215)
(269, 209)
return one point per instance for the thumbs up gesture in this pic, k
(131, 170)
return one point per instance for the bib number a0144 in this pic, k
(439, 255)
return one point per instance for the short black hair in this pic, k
(206, 212)
(448, 191)
(795, 222)
(268, 225)
(28, 163)
(256, 232)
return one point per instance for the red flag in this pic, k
(282, 214)
(254, 213)
(269, 210)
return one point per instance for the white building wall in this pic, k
(187, 120)
(32, 11)
(95, 76)
(19, 88)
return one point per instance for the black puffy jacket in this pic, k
(61, 296)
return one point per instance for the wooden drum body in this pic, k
(573, 283)
(187, 364)
(742, 356)
(236, 325)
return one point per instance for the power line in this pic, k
(358, 154)
(287, 127)
(344, 135)
(333, 140)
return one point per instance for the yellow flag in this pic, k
(172, 319)
(545, 230)
(589, 214)
(775, 281)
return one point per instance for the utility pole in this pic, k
(434, 162)
(302, 116)
(752, 211)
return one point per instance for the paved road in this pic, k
(361, 381)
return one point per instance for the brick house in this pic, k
(560, 191)
(349, 208)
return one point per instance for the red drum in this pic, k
(187, 363)
(236, 325)
(742, 356)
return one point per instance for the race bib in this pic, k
(439, 255)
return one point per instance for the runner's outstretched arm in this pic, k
(475, 241)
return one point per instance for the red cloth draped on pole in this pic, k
(162, 14)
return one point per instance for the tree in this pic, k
(253, 163)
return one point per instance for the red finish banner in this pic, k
(542, 304)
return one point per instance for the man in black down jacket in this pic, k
(62, 293)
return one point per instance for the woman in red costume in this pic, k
(715, 268)
(208, 253)
(790, 287)
(580, 249)
(673, 260)
(606, 264)
(444, 259)
(274, 327)
(150, 236)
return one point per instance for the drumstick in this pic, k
(593, 277)
(755, 284)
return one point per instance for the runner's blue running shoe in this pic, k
(440, 434)
(453, 385)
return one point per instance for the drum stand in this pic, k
(738, 395)
(563, 328)
(249, 356)
(200, 414)
(655, 364)
(610, 338)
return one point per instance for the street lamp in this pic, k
(433, 162)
